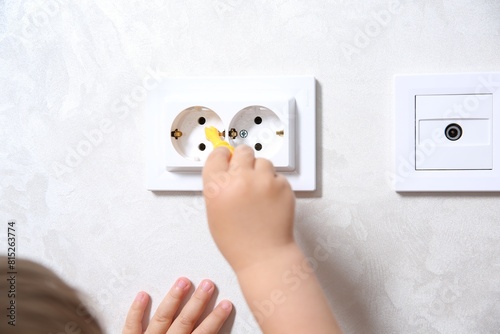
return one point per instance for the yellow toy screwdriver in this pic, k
(212, 135)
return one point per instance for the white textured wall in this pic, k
(397, 264)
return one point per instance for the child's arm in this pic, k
(250, 213)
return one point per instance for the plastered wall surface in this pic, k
(74, 76)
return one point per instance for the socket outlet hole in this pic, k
(258, 127)
(188, 137)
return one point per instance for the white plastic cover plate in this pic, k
(447, 132)
(294, 96)
(472, 146)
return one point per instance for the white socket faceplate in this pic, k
(447, 132)
(291, 100)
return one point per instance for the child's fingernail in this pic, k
(140, 297)
(181, 283)
(226, 305)
(206, 286)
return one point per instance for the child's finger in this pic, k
(164, 315)
(190, 313)
(214, 321)
(243, 158)
(264, 165)
(133, 322)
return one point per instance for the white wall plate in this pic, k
(275, 115)
(447, 132)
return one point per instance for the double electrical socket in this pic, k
(273, 115)
(267, 127)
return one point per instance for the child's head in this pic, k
(43, 302)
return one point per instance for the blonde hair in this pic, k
(44, 303)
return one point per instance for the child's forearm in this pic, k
(285, 296)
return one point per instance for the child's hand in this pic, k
(250, 213)
(164, 320)
(250, 208)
